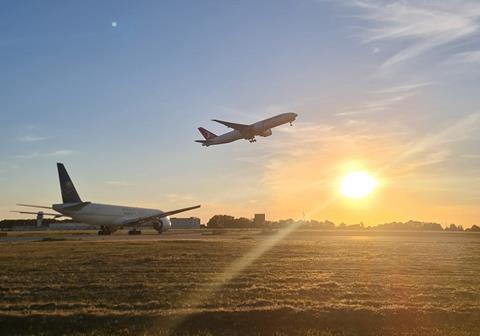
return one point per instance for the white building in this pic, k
(185, 223)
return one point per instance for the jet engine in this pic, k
(158, 225)
(162, 225)
(266, 133)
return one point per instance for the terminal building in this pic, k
(185, 223)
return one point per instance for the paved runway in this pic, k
(147, 235)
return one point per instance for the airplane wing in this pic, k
(238, 127)
(140, 220)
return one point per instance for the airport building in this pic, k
(259, 219)
(185, 223)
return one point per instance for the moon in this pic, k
(114, 24)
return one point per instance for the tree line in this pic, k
(226, 221)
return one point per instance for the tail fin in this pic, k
(206, 134)
(69, 194)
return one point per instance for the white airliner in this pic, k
(248, 132)
(108, 217)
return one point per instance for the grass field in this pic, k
(312, 283)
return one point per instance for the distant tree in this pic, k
(225, 221)
(474, 228)
(220, 221)
(453, 227)
(325, 225)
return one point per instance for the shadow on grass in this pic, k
(283, 321)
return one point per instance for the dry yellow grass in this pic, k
(311, 283)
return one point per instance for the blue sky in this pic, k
(385, 86)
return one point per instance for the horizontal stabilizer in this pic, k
(36, 213)
(34, 206)
(238, 127)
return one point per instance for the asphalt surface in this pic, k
(147, 235)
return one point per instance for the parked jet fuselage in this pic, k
(108, 217)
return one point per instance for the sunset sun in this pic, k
(357, 185)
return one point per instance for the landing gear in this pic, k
(104, 231)
(291, 124)
(134, 232)
(252, 140)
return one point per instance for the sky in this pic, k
(116, 91)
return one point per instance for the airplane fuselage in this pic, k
(261, 128)
(106, 216)
(112, 216)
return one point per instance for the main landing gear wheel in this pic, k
(104, 232)
(134, 232)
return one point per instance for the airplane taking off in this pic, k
(248, 132)
(108, 217)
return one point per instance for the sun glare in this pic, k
(357, 185)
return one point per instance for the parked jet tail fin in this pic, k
(206, 133)
(69, 193)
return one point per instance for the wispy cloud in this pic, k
(432, 148)
(175, 197)
(420, 26)
(385, 99)
(31, 138)
(407, 87)
(471, 156)
(27, 156)
(468, 57)
(119, 183)
(61, 152)
(427, 159)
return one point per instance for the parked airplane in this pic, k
(248, 132)
(108, 217)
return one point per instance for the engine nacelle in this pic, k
(266, 133)
(162, 225)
